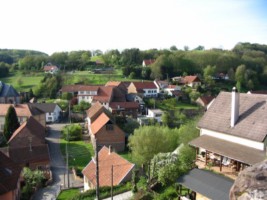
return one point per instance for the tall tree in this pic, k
(11, 122)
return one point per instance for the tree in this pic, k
(173, 48)
(72, 132)
(33, 180)
(209, 73)
(148, 141)
(240, 75)
(11, 122)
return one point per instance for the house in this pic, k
(10, 178)
(191, 81)
(111, 167)
(30, 133)
(161, 85)
(72, 89)
(124, 108)
(122, 85)
(155, 114)
(24, 111)
(92, 94)
(147, 62)
(205, 101)
(52, 69)
(8, 94)
(34, 157)
(52, 111)
(143, 89)
(170, 88)
(103, 130)
(233, 131)
(27, 146)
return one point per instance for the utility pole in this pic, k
(67, 153)
(111, 182)
(97, 171)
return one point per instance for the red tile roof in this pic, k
(22, 110)
(149, 61)
(144, 85)
(190, 79)
(99, 123)
(121, 168)
(126, 105)
(206, 99)
(104, 94)
(113, 83)
(9, 174)
(94, 111)
(48, 68)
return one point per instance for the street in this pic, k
(58, 167)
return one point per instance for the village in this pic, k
(229, 136)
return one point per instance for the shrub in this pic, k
(72, 132)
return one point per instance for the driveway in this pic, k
(58, 167)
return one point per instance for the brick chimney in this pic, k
(234, 107)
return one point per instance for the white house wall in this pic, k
(235, 139)
(85, 183)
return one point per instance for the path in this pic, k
(58, 167)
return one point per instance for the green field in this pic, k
(23, 82)
(80, 153)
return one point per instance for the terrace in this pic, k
(223, 156)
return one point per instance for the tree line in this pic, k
(168, 62)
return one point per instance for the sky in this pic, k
(53, 26)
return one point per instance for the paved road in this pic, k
(58, 167)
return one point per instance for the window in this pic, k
(81, 92)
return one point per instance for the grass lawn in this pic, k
(94, 79)
(80, 153)
(27, 81)
(177, 106)
(68, 194)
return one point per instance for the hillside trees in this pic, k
(49, 86)
(4, 69)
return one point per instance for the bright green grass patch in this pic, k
(177, 106)
(26, 82)
(94, 79)
(126, 155)
(68, 194)
(80, 153)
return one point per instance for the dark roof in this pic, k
(9, 174)
(23, 155)
(206, 99)
(45, 107)
(252, 121)
(31, 126)
(211, 185)
(7, 90)
(123, 105)
(228, 149)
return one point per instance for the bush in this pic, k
(72, 132)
